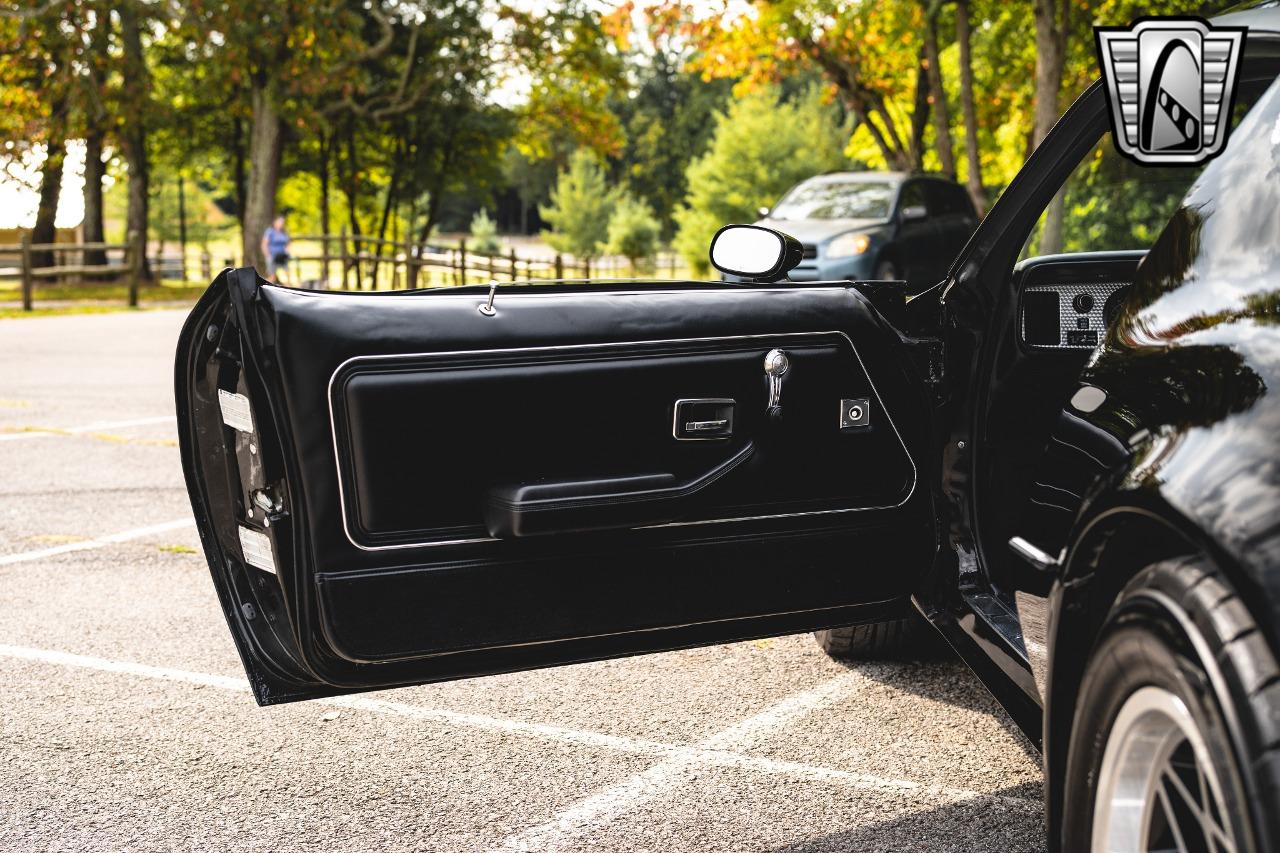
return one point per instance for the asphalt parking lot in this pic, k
(125, 722)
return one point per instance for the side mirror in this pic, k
(914, 213)
(754, 252)
(762, 212)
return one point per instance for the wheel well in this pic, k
(887, 255)
(1112, 549)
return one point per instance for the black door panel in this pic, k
(413, 611)
(443, 493)
(517, 420)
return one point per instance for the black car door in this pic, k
(400, 488)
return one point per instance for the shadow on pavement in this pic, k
(971, 826)
(932, 671)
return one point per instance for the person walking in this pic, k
(275, 248)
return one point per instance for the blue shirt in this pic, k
(277, 242)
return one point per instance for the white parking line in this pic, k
(715, 751)
(99, 542)
(93, 427)
(564, 830)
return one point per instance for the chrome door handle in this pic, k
(706, 426)
(703, 419)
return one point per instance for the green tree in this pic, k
(761, 147)
(633, 231)
(37, 85)
(570, 52)
(484, 234)
(283, 55)
(870, 51)
(531, 178)
(669, 123)
(581, 205)
(667, 112)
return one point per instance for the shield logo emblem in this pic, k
(1170, 87)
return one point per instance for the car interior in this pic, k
(1065, 302)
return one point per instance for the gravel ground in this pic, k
(125, 722)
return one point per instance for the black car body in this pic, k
(400, 488)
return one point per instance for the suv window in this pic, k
(835, 199)
(948, 199)
(913, 195)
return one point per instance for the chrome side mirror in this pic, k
(754, 252)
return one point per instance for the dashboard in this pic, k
(1068, 301)
(1071, 315)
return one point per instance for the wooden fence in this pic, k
(321, 262)
(357, 262)
(128, 267)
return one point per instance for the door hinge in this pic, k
(929, 357)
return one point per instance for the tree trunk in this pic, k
(45, 230)
(387, 204)
(94, 171)
(182, 224)
(919, 113)
(435, 193)
(323, 174)
(134, 147)
(938, 97)
(864, 104)
(133, 136)
(1051, 49)
(973, 170)
(351, 189)
(894, 158)
(239, 172)
(265, 137)
(881, 106)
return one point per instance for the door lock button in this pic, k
(855, 413)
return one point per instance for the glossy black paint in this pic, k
(1181, 458)
(1192, 369)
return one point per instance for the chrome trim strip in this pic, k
(538, 283)
(1033, 555)
(337, 458)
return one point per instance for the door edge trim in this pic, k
(337, 456)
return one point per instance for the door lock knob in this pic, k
(776, 362)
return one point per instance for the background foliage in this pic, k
(402, 118)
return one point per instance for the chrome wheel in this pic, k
(1157, 787)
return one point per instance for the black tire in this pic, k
(887, 270)
(1178, 629)
(900, 638)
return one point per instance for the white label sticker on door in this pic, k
(257, 549)
(235, 410)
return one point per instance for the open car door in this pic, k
(399, 488)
